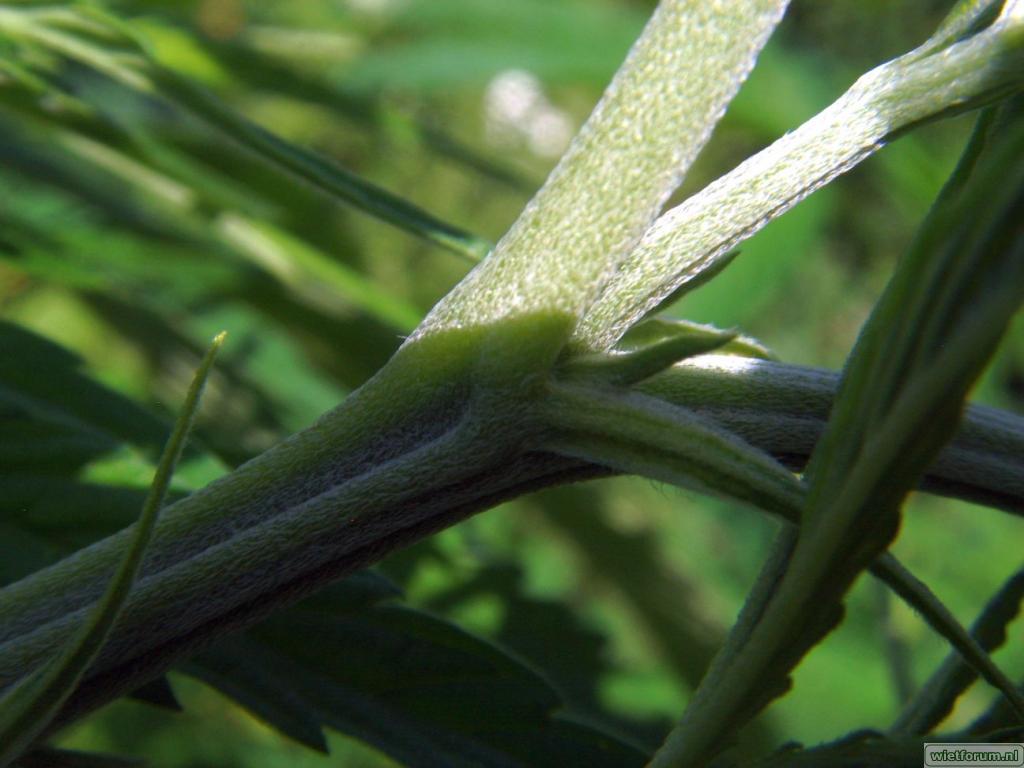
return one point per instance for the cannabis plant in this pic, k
(547, 364)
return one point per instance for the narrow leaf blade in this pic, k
(27, 709)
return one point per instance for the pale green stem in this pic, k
(622, 166)
(691, 238)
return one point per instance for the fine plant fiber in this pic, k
(937, 697)
(29, 707)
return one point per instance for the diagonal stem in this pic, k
(695, 236)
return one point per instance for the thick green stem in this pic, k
(309, 512)
(782, 409)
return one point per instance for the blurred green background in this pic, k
(130, 232)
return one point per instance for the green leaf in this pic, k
(902, 394)
(317, 170)
(29, 707)
(659, 329)
(416, 687)
(64, 32)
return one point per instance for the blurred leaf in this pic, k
(43, 382)
(143, 282)
(294, 261)
(416, 687)
(446, 44)
(65, 512)
(28, 707)
(315, 277)
(319, 171)
(366, 109)
(554, 638)
(123, 55)
(244, 669)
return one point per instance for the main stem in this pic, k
(309, 512)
